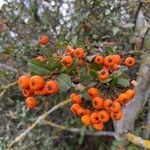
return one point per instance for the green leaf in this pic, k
(54, 64)
(93, 73)
(123, 82)
(47, 52)
(37, 67)
(64, 82)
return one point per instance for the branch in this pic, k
(143, 39)
(77, 130)
(4, 88)
(138, 140)
(38, 121)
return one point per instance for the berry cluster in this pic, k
(105, 98)
(36, 85)
(102, 109)
(111, 63)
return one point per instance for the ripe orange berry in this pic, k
(123, 98)
(86, 120)
(41, 91)
(81, 111)
(98, 103)
(77, 99)
(103, 116)
(115, 106)
(94, 117)
(103, 74)
(36, 82)
(129, 61)
(52, 87)
(40, 58)
(99, 59)
(74, 108)
(23, 81)
(67, 61)
(70, 51)
(27, 92)
(43, 40)
(109, 61)
(87, 112)
(72, 95)
(31, 102)
(93, 92)
(117, 59)
(79, 53)
(116, 116)
(98, 126)
(107, 104)
(130, 93)
(115, 67)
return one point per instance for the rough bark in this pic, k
(131, 110)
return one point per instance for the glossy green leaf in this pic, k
(37, 67)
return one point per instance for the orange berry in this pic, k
(36, 82)
(31, 102)
(27, 92)
(103, 116)
(81, 111)
(43, 40)
(41, 91)
(117, 59)
(109, 61)
(40, 58)
(23, 81)
(130, 93)
(77, 99)
(115, 106)
(67, 61)
(98, 103)
(87, 112)
(99, 59)
(115, 67)
(103, 74)
(70, 51)
(79, 53)
(86, 120)
(93, 92)
(98, 126)
(123, 98)
(72, 95)
(74, 108)
(116, 116)
(107, 104)
(51, 87)
(129, 61)
(94, 117)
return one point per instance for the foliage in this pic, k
(91, 23)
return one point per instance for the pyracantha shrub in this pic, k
(98, 83)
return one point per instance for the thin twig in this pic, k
(38, 121)
(143, 39)
(77, 130)
(9, 85)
